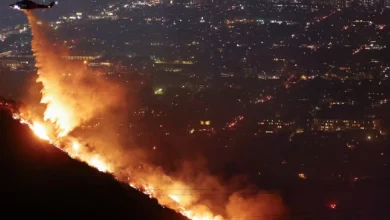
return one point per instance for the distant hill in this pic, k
(38, 180)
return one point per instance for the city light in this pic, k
(159, 91)
(200, 105)
(302, 176)
(333, 205)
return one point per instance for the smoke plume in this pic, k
(72, 94)
(73, 97)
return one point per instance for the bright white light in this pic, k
(76, 146)
(16, 7)
(174, 198)
(98, 164)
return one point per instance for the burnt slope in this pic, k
(38, 180)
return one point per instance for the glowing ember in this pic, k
(40, 131)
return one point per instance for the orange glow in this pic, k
(56, 113)
(76, 146)
(302, 176)
(175, 198)
(40, 131)
(71, 103)
(98, 164)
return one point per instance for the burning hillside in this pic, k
(40, 181)
(71, 97)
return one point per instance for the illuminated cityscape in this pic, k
(292, 94)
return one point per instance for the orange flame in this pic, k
(70, 102)
(40, 131)
(99, 164)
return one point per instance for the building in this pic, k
(332, 125)
(271, 126)
(341, 4)
(11, 64)
(17, 63)
(81, 58)
(6, 54)
(153, 2)
(370, 3)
